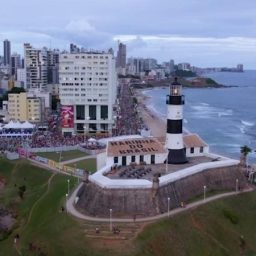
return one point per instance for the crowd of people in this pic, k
(11, 144)
(42, 139)
(128, 121)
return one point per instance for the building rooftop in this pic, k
(193, 141)
(143, 146)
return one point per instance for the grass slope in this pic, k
(65, 155)
(213, 229)
(87, 164)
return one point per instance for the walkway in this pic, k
(73, 211)
(77, 159)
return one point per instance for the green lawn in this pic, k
(212, 229)
(87, 164)
(65, 155)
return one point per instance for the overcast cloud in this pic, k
(203, 32)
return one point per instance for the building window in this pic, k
(80, 114)
(141, 158)
(92, 112)
(104, 112)
(133, 159)
(123, 160)
(201, 149)
(192, 150)
(115, 160)
(92, 127)
(152, 158)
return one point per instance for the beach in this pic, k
(154, 123)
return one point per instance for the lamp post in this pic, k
(68, 186)
(84, 132)
(60, 159)
(204, 192)
(168, 210)
(110, 219)
(67, 201)
(236, 185)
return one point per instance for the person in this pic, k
(97, 230)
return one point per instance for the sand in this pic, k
(156, 125)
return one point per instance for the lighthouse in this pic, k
(174, 136)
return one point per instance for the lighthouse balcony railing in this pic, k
(175, 100)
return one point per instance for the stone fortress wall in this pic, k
(124, 202)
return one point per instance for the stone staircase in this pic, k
(127, 230)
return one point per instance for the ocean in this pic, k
(224, 117)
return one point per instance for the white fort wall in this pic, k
(101, 180)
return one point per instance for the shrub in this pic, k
(231, 216)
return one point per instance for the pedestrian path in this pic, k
(73, 211)
(78, 159)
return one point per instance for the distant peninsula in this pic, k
(192, 82)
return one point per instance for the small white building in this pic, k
(145, 150)
(194, 145)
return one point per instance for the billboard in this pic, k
(67, 116)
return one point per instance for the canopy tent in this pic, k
(27, 125)
(18, 125)
(92, 140)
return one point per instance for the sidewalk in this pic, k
(78, 159)
(72, 210)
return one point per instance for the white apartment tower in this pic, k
(88, 83)
(36, 67)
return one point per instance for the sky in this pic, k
(205, 33)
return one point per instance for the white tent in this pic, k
(27, 125)
(10, 125)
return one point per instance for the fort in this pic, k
(139, 176)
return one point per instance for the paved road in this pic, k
(77, 159)
(72, 210)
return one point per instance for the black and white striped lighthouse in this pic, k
(174, 140)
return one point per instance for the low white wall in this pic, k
(104, 182)
(101, 160)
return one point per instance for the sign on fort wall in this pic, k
(134, 147)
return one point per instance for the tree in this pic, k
(244, 150)
(21, 191)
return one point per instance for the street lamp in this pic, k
(110, 219)
(168, 210)
(67, 202)
(60, 157)
(84, 132)
(204, 192)
(68, 186)
(236, 185)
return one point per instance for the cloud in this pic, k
(79, 25)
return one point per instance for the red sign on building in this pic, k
(67, 116)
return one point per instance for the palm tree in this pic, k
(244, 150)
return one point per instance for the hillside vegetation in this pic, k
(223, 227)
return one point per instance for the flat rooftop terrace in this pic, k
(148, 171)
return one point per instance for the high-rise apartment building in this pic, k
(121, 56)
(53, 66)
(172, 67)
(15, 64)
(36, 67)
(7, 53)
(87, 91)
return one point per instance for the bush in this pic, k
(232, 217)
